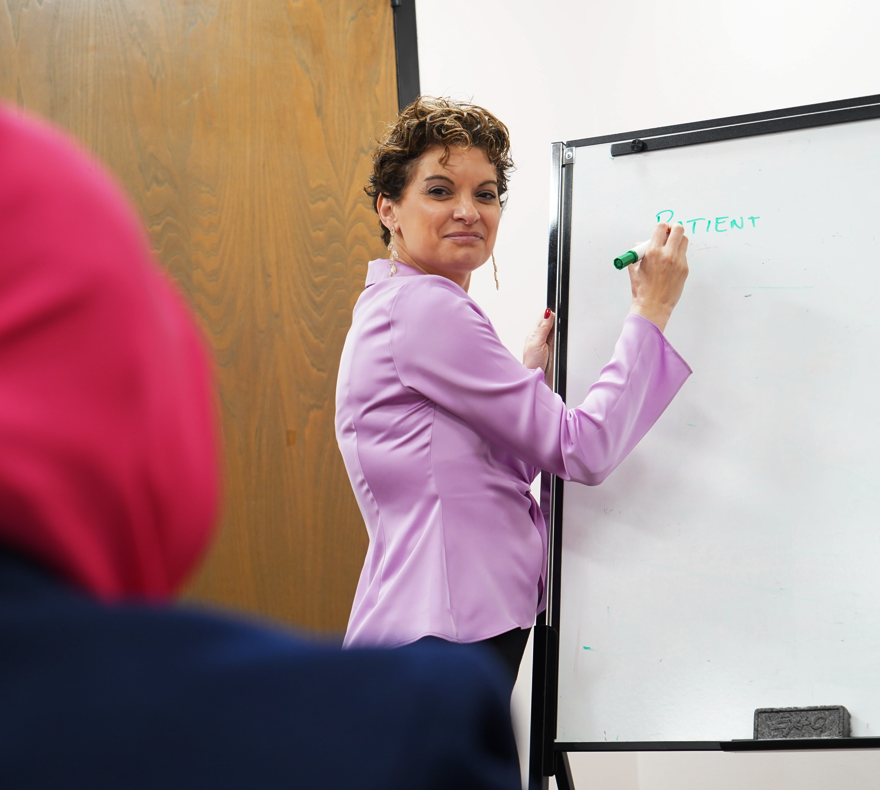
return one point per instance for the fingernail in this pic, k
(547, 313)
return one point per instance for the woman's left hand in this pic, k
(538, 351)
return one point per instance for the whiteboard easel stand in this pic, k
(549, 757)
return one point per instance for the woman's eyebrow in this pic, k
(491, 181)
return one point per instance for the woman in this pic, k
(108, 497)
(441, 429)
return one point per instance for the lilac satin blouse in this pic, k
(443, 431)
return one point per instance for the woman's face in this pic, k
(447, 218)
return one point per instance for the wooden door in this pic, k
(242, 132)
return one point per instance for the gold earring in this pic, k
(495, 269)
(394, 256)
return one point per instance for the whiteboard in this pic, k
(732, 562)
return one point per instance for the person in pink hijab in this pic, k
(108, 498)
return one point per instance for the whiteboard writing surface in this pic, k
(732, 562)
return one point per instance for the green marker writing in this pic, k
(631, 256)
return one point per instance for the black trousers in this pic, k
(507, 647)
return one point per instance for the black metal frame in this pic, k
(545, 760)
(406, 50)
(744, 745)
(547, 756)
(821, 115)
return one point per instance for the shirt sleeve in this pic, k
(446, 349)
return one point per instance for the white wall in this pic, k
(562, 70)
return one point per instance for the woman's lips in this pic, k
(465, 238)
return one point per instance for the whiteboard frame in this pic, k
(547, 755)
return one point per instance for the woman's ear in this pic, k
(385, 209)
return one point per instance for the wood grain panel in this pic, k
(242, 131)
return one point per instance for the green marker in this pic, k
(631, 256)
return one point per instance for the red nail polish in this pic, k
(547, 313)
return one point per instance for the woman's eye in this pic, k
(437, 191)
(488, 196)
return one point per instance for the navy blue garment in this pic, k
(132, 696)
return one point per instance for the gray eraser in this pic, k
(822, 721)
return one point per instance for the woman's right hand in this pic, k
(658, 279)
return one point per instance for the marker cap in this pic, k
(626, 259)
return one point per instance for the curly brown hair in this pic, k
(427, 123)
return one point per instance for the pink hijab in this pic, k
(108, 463)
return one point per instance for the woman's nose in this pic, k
(466, 211)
